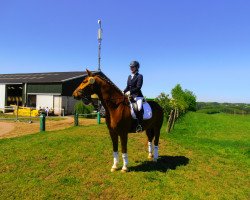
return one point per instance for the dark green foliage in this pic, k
(209, 111)
(190, 99)
(81, 108)
(231, 108)
(149, 99)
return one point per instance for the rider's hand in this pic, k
(127, 93)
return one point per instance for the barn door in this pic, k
(57, 105)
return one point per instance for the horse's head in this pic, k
(85, 89)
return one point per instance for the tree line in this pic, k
(182, 100)
(178, 104)
(230, 108)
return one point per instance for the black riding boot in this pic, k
(139, 116)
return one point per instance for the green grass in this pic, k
(205, 157)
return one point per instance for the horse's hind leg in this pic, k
(150, 134)
(156, 143)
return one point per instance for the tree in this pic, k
(179, 98)
(190, 99)
(164, 101)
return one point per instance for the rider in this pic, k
(134, 84)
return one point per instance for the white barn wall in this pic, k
(2, 95)
(44, 101)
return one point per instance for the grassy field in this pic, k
(205, 157)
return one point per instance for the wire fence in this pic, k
(25, 114)
(12, 113)
(94, 115)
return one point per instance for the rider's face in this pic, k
(133, 69)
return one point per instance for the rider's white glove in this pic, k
(127, 93)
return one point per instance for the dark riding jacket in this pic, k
(134, 85)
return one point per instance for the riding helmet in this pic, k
(135, 64)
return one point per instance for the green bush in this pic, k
(81, 108)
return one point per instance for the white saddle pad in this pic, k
(147, 111)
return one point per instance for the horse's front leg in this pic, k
(150, 134)
(124, 141)
(114, 137)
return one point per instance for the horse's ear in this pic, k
(89, 73)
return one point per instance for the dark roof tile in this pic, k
(48, 77)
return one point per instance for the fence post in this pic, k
(98, 118)
(169, 124)
(76, 119)
(30, 117)
(16, 113)
(42, 122)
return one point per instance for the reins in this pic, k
(114, 99)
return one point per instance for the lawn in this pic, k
(204, 157)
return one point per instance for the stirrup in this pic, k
(138, 128)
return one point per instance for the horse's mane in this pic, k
(110, 83)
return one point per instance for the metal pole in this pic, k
(30, 117)
(99, 44)
(42, 122)
(98, 118)
(76, 122)
(17, 112)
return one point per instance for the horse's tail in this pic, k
(157, 111)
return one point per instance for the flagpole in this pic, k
(99, 44)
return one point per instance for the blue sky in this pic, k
(202, 44)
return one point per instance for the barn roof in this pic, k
(47, 77)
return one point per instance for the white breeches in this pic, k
(139, 101)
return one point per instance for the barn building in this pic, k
(41, 90)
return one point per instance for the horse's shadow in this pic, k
(163, 164)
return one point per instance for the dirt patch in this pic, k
(5, 128)
(16, 129)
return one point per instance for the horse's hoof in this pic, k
(113, 169)
(124, 169)
(150, 156)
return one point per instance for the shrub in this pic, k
(163, 100)
(81, 108)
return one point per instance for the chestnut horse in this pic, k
(118, 116)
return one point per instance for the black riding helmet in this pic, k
(135, 64)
